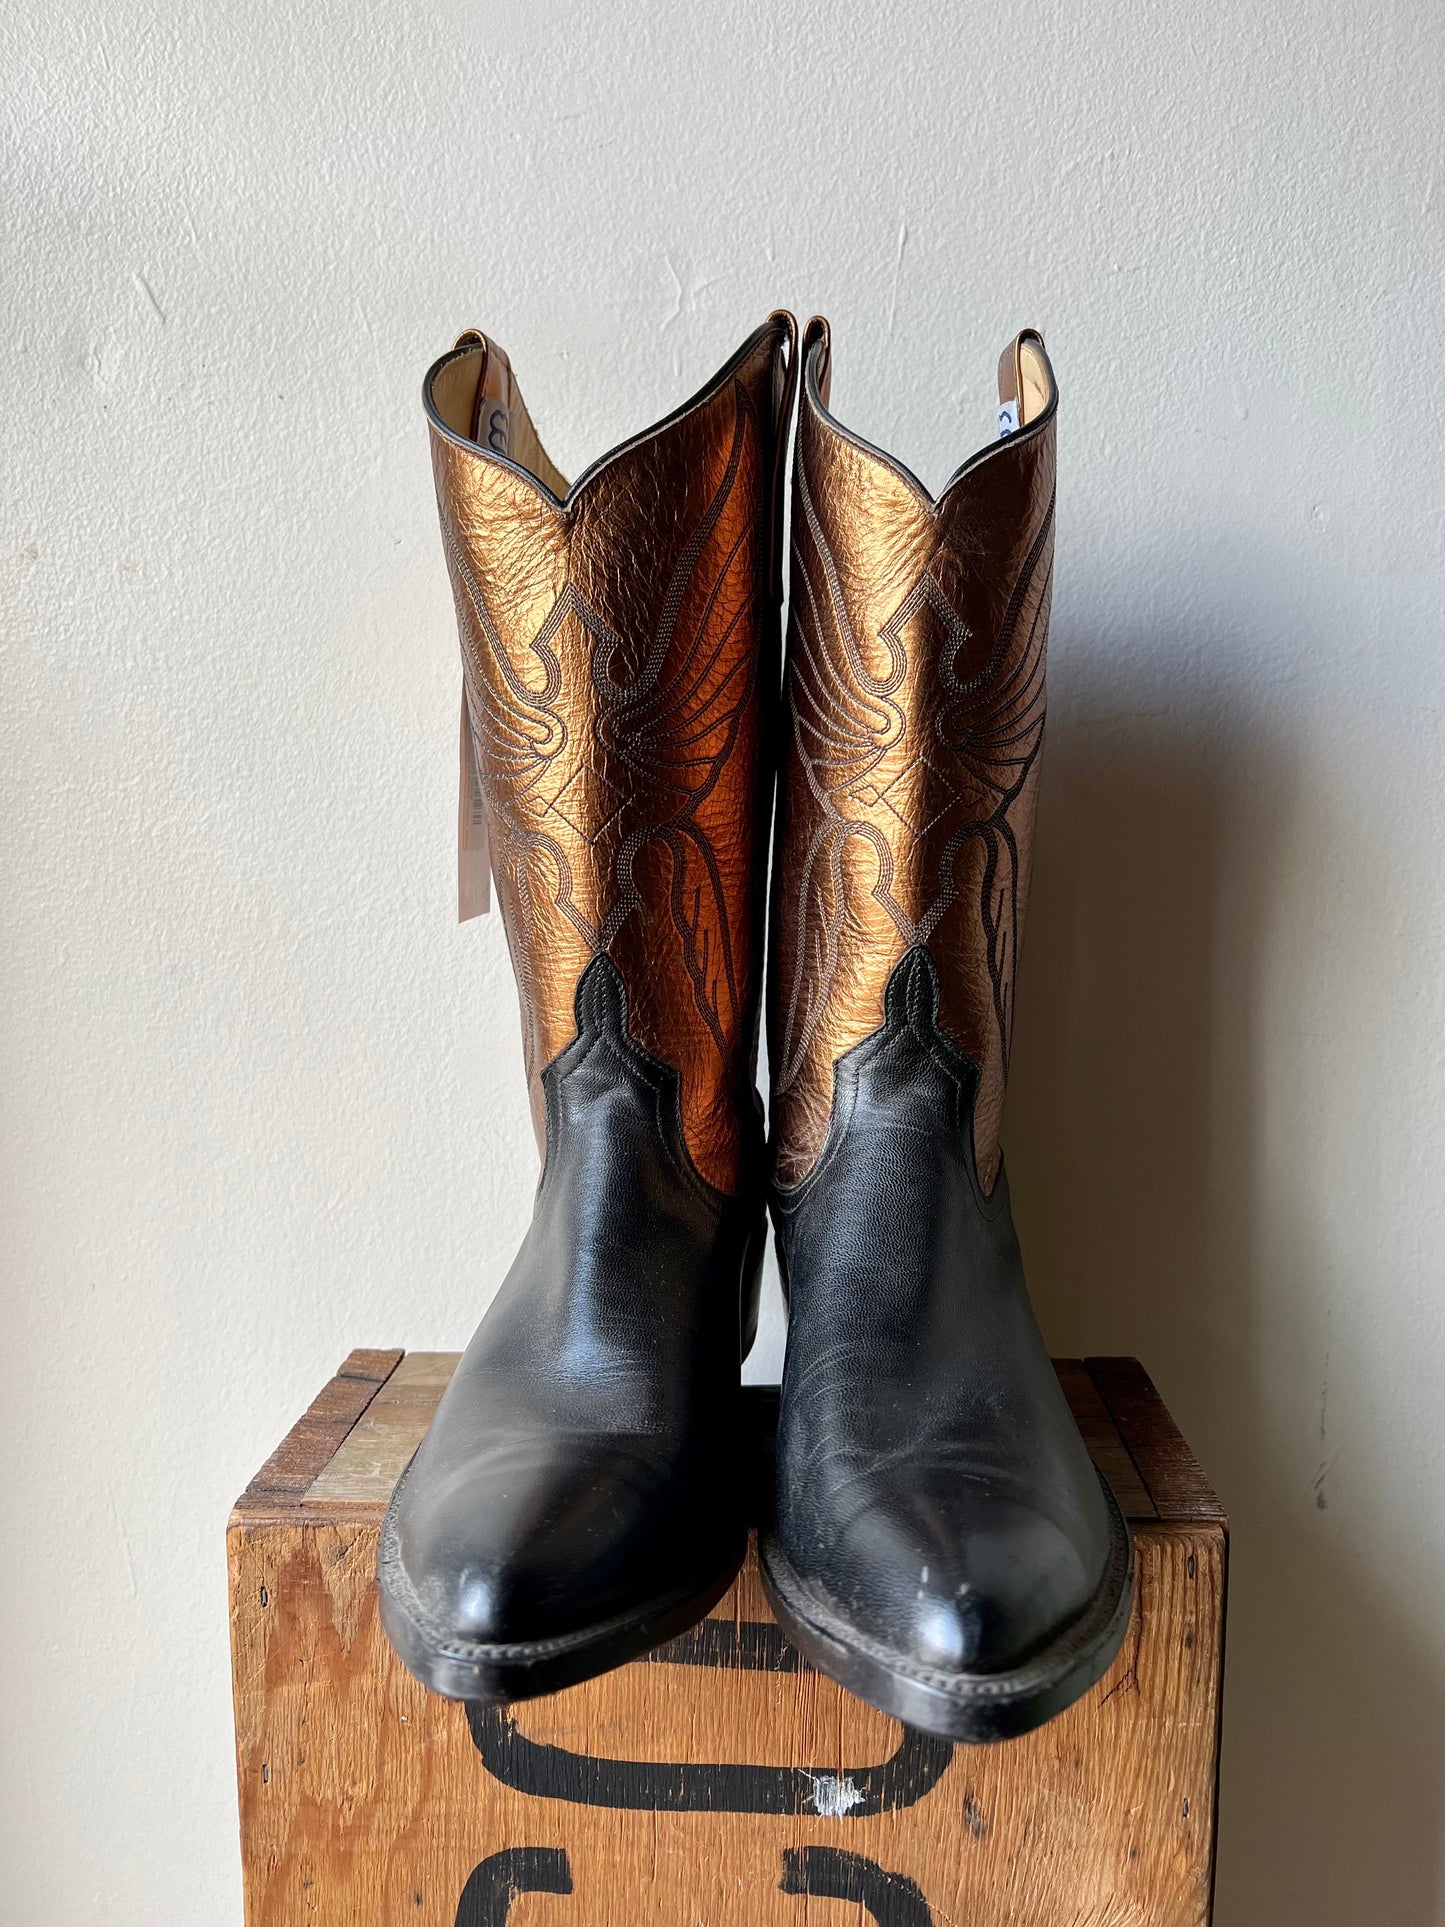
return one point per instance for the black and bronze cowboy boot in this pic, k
(943, 1545)
(576, 1500)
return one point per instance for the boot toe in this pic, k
(963, 1590)
(527, 1543)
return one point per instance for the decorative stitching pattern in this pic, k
(915, 696)
(602, 1025)
(978, 743)
(661, 742)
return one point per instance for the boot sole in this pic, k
(972, 1709)
(495, 1675)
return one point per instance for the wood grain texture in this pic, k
(1166, 1465)
(721, 1781)
(366, 1466)
(1101, 1435)
(321, 1430)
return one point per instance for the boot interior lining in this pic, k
(1033, 383)
(477, 397)
(1024, 384)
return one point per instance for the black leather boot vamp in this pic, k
(943, 1545)
(576, 1499)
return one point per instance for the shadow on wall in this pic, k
(1136, 1162)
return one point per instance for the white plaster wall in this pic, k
(261, 1096)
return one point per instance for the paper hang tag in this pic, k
(474, 843)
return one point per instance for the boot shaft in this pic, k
(914, 716)
(619, 644)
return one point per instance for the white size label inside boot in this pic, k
(1008, 418)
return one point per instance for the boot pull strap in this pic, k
(818, 355)
(490, 426)
(785, 385)
(496, 417)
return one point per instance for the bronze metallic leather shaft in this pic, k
(915, 709)
(619, 643)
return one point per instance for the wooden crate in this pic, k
(722, 1782)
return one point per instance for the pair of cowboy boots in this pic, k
(941, 1542)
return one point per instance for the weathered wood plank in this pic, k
(1168, 1468)
(363, 1471)
(319, 1432)
(1101, 1435)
